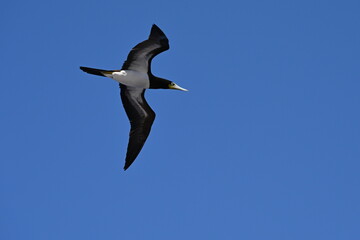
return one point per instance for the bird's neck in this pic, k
(156, 82)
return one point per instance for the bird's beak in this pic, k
(178, 88)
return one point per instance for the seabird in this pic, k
(134, 78)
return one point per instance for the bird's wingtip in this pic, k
(126, 166)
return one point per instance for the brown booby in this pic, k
(134, 78)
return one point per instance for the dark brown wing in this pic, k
(141, 118)
(140, 56)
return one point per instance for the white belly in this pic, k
(131, 78)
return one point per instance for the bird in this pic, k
(134, 78)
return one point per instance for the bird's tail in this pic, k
(99, 72)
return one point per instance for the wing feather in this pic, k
(141, 118)
(139, 58)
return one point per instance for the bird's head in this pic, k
(156, 83)
(173, 85)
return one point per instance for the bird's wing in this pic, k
(141, 118)
(139, 58)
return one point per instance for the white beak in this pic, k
(178, 88)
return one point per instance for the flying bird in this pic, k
(134, 78)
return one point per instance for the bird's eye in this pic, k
(172, 84)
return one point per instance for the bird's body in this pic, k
(134, 77)
(131, 78)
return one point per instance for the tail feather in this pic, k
(95, 71)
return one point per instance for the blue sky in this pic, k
(265, 145)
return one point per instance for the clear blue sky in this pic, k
(265, 145)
